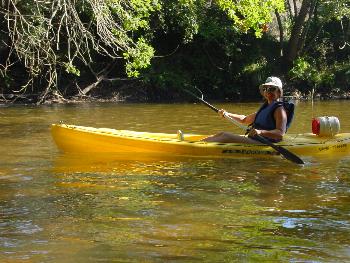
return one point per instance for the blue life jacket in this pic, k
(265, 120)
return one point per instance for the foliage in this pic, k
(182, 17)
(255, 66)
(325, 79)
(54, 34)
(70, 68)
(251, 13)
(213, 49)
(218, 46)
(188, 16)
(329, 10)
(138, 57)
(322, 61)
(306, 69)
(137, 15)
(305, 25)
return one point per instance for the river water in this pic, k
(60, 208)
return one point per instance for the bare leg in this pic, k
(227, 137)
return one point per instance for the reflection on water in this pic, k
(117, 208)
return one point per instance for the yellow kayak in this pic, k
(80, 139)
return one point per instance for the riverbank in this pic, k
(33, 99)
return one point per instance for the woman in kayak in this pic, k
(270, 121)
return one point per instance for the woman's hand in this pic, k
(254, 132)
(221, 112)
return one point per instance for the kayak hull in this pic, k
(80, 139)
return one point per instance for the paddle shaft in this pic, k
(283, 151)
(225, 114)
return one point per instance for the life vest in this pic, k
(265, 120)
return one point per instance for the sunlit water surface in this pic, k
(56, 207)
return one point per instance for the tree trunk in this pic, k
(280, 27)
(295, 8)
(296, 34)
(301, 44)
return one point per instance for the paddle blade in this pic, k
(283, 151)
(289, 155)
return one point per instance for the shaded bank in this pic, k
(142, 97)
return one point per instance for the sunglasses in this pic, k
(270, 89)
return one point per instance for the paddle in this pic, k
(283, 151)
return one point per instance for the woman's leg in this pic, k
(227, 137)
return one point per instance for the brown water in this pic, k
(61, 208)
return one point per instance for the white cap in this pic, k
(272, 81)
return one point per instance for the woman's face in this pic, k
(271, 92)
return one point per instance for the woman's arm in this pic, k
(244, 119)
(281, 124)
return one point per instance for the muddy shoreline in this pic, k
(33, 99)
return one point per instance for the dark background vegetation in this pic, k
(215, 57)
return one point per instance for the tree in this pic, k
(46, 36)
(307, 19)
(254, 14)
(54, 38)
